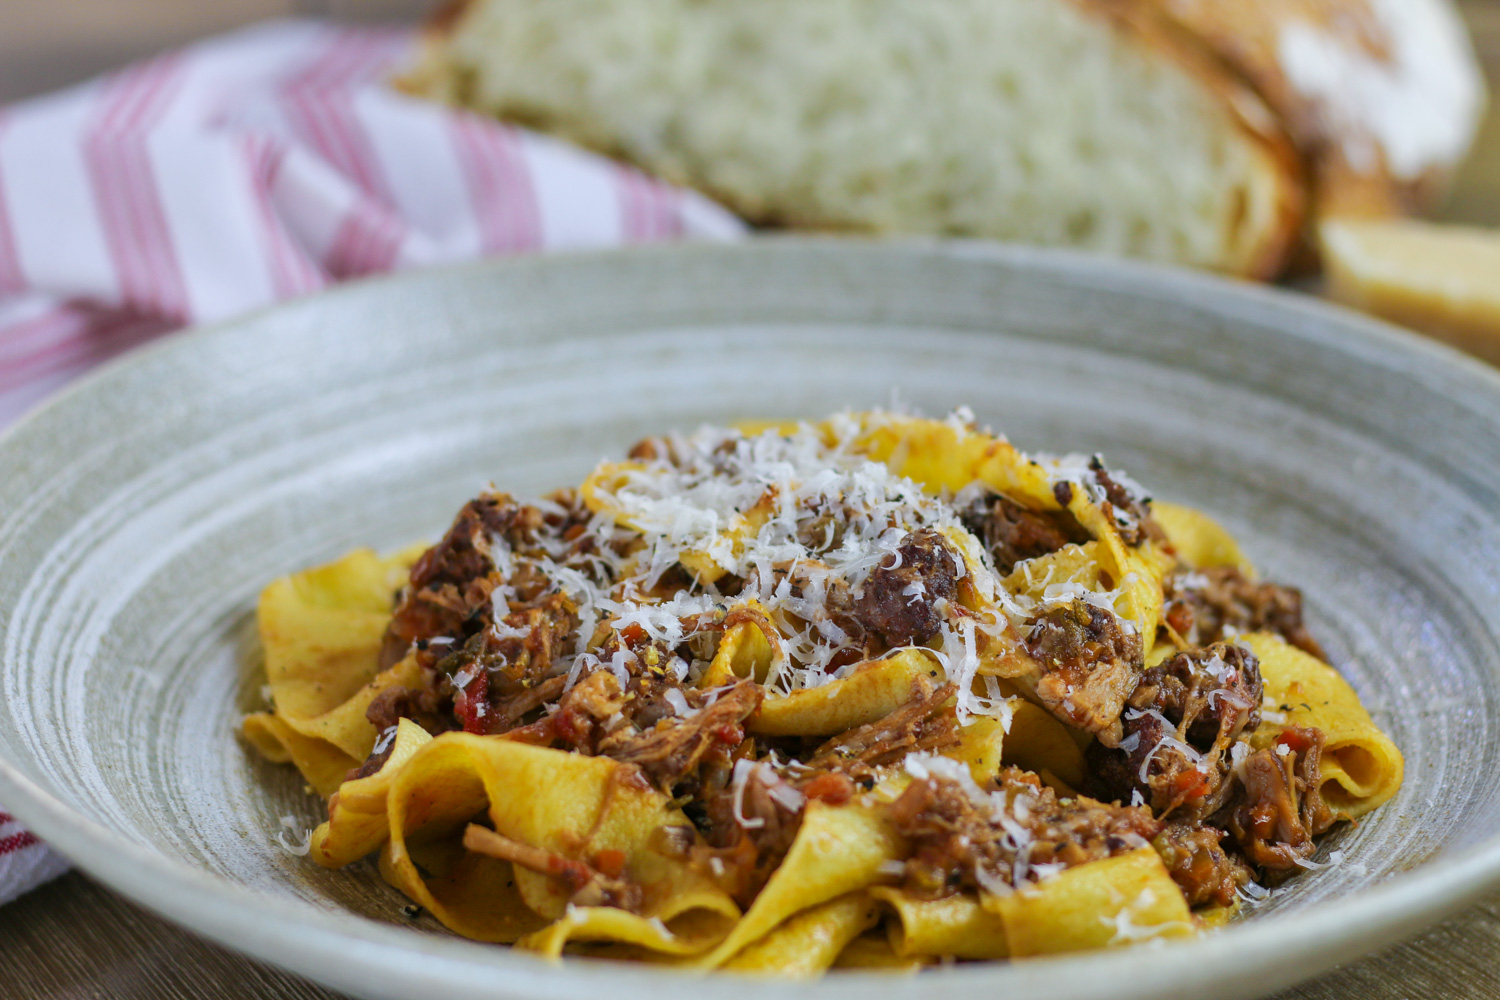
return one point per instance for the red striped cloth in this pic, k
(261, 165)
(24, 861)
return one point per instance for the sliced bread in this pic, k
(1139, 127)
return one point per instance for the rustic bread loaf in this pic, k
(1152, 128)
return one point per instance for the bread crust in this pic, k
(1248, 39)
(425, 76)
(1281, 173)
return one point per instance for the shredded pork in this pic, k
(1089, 661)
(1180, 723)
(1014, 533)
(1282, 808)
(1012, 831)
(1206, 606)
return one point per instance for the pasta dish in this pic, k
(880, 691)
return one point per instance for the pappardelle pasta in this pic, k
(879, 691)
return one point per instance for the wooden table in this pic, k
(73, 939)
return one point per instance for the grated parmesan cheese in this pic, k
(785, 520)
(1253, 892)
(1127, 931)
(1187, 749)
(384, 741)
(301, 844)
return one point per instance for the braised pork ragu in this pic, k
(1160, 764)
(1208, 605)
(1014, 533)
(1089, 661)
(1205, 870)
(750, 820)
(749, 681)
(1282, 808)
(923, 724)
(448, 593)
(749, 827)
(500, 641)
(1179, 724)
(449, 596)
(1011, 830)
(1132, 514)
(901, 598)
(675, 748)
(500, 669)
(1185, 755)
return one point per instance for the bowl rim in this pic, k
(354, 953)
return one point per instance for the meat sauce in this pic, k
(1168, 765)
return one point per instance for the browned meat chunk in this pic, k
(496, 674)
(1196, 860)
(1282, 807)
(600, 883)
(750, 826)
(452, 582)
(386, 710)
(585, 712)
(1014, 533)
(596, 717)
(1131, 514)
(924, 723)
(677, 747)
(481, 675)
(1179, 724)
(903, 602)
(1203, 604)
(1213, 693)
(964, 839)
(448, 597)
(389, 707)
(1088, 663)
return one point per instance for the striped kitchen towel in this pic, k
(256, 166)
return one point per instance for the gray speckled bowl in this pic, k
(142, 511)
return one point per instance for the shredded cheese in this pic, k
(794, 521)
(301, 843)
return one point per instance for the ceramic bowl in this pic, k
(142, 511)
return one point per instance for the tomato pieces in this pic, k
(610, 862)
(471, 703)
(1297, 739)
(1191, 784)
(730, 734)
(832, 787)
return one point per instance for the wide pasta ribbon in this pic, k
(955, 925)
(1198, 539)
(838, 850)
(1361, 767)
(870, 692)
(810, 942)
(1113, 901)
(595, 812)
(322, 630)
